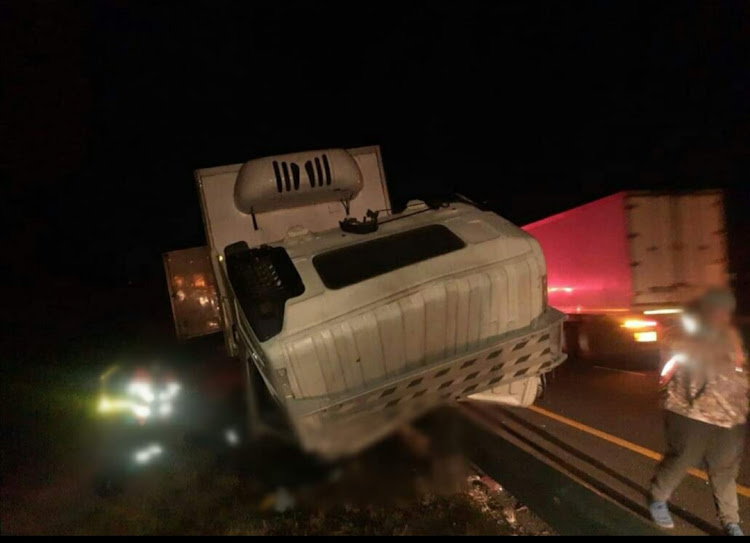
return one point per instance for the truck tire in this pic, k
(264, 415)
(577, 342)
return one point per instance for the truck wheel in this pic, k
(570, 339)
(264, 416)
(577, 342)
(584, 344)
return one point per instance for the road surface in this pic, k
(614, 416)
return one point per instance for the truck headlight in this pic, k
(645, 337)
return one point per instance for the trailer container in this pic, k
(623, 266)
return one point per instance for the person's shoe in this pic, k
(733, 529)
(660, 514)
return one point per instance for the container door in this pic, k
(193, 292)
(702, 252)
(677, 245)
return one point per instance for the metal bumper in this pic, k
(346, 425)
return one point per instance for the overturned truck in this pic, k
(350, 319)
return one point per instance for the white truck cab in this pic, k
(356, 327)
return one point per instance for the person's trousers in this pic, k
(689, 442)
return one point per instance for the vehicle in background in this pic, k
(141, 415)
(622, 267)
(348, 328)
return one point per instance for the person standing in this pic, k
(706, 407)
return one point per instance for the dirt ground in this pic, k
(400, 487)
(198, 500)
(387, 491)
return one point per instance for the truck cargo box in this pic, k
(634, 250)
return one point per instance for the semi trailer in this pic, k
(622, 267)
(350, 319)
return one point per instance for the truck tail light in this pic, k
(644, 331)
(645, 337)
(637, 324)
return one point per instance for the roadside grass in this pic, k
(49, 429)
(196, 493)
(203, 501)
(46, 417)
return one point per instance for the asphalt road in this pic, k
(625, 405)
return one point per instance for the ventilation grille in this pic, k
(288, 173)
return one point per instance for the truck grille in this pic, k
(350, 423)
(457, 380)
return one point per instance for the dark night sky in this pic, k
(110, 105)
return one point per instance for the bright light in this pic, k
(634, 324)
(108, 405)
(165, 409)
(232, 437)
(144, 456)
(203, 300)
(690, 324)
(142, 390)
(567, 290)
(170, 392)
(645, 337)
(679, 358)
(663, 312)
(147, 403)
(141, 411)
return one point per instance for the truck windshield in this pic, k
(349, 265)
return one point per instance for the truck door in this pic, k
(193, 293)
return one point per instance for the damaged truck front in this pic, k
(352, 320)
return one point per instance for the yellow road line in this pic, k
(648, 453)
